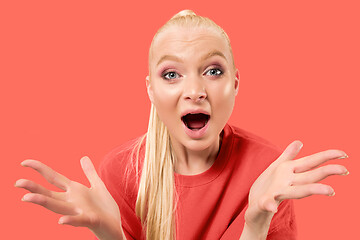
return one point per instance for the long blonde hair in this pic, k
(156, 200)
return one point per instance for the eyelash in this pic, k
(165, 74)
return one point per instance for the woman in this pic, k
(192, 176)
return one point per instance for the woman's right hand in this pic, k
(81, 206)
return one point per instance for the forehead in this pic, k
(187, 43)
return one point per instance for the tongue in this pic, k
(196, 123)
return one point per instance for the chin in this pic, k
(200, 144)
(197, 140)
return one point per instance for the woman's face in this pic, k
(193, 85)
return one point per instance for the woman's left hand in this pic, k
(286, 178)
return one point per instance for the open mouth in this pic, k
(195, 121)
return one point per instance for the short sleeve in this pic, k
(283, 224)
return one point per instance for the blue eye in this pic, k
(170, 75)
(214, 71)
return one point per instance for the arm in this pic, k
(284, 179)
(259, 230)
(81, 206)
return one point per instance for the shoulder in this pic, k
(255, 154)
(252, 139)
(250, 143)
(250, 153)
(120, 176)
(122, 155)
(118, 169)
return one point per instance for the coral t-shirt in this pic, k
(211, 204)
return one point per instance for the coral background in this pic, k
(72, 83)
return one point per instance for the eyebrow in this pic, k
(206, 56)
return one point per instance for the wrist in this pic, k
(258, 221)
(113, 234)
(250, 233)
(111, 230)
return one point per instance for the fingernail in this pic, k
(17, 182)
(25, 198)
(332, 194)
(60, 221)
(347, 173)
(346, 156)
(84, 158)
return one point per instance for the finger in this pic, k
(290, 152)
(50, 175)
(319, 174)
(37, 188)
(89, 171)
(51, 204)
(302, 191)
(80, 220)
(314, 160)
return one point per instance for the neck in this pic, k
(191, 162)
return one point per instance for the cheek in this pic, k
(224, 94)
(165, 101)
(165, 96)
(223, 101)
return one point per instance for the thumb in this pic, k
(270, 205)
(89, 171)
(80, 220)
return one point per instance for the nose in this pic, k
(195, 90)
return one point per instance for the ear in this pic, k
(149, 89)
(237, 81)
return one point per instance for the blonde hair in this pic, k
(156, 200)
(188, 19)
